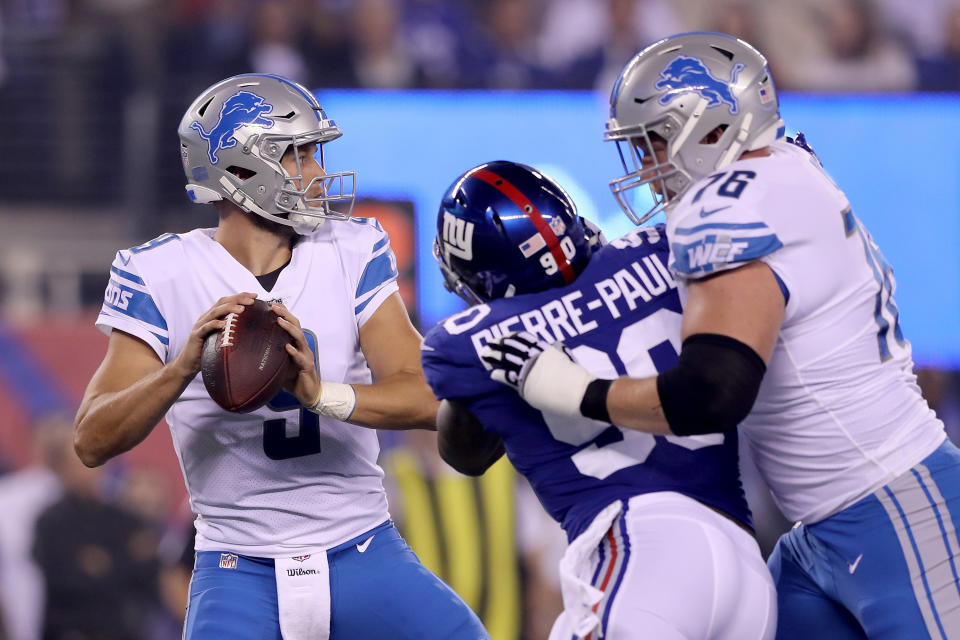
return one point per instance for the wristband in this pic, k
(594, 403)
(335, 400)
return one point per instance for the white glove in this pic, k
(545, 375)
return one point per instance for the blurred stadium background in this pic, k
(91, 92)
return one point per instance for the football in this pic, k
(244, 364)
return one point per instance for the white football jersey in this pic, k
(839, 413)
(280, 479)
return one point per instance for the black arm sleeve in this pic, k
(464, 444)
(713, 387)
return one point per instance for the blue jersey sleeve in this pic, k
(452, 367)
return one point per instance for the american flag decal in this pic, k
(533, 244)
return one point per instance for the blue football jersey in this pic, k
(621, 316)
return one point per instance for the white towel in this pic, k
(576, 571)
(303, 597)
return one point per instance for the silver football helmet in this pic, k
(709, 96)
(233, 137)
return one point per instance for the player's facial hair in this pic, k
(275, 228)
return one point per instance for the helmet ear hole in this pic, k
(241, 172)
(714, 136)
(495, 219)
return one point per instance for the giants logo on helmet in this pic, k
(685, 74)
(457, 237)
(240, 109)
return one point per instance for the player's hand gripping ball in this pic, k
(244, 364)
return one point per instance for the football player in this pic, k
(789, 328)
(293, 537)
(660, 537)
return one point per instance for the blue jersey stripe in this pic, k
(135, 304)
(381, 244)
(379, 270)
(601, 559)
(686, 231)
(708, 253)
(783, 287)
(363, 305)
(162, 340)
(126, 275)
(625, 550)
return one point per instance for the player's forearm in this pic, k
(400, 401)
(111, 423)
(634, 403)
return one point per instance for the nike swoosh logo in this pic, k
(853, 566)
(704, 212)
(366, 543)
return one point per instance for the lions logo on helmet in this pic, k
(240, 109)
(686, 73)
(505, 229)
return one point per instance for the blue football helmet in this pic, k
(505, 229)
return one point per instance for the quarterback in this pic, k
(790, 329)
(293, 535)
(660, 535)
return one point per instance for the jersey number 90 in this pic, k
(644, 349)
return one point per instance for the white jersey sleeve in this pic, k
(129, 304)
(715, 234)
(374, 268)
(280, 480)
(839, 413)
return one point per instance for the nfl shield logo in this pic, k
(228, 561)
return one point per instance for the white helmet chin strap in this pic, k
(241, 199)
(304, 225)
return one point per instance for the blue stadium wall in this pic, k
(896, 157)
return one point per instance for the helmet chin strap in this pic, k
(303, 225)
(241, 199)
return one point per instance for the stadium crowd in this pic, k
(69, 69)
(814, 45)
